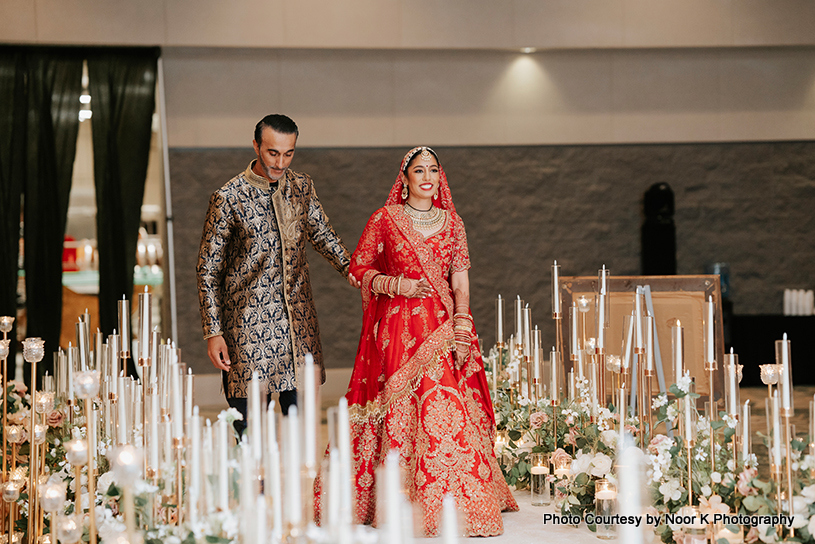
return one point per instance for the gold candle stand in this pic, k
(90, 429)
(710, 368)
(178, 444)
(787, 413)
(601, 371)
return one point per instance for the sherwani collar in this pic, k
(260, 182)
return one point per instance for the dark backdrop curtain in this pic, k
(54, 84)
(12, 167)
(122, 84)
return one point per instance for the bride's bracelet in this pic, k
(387, 285)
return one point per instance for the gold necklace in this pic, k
(424, 219)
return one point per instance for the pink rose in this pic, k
(55, 418)
(537, 419)
(751, 536)
(633, 430)
(657, 442)
(561, 458)
(19, 387)
(571, 437)
(743, 485)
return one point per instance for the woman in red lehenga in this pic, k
(418, 384)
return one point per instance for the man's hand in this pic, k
(216, 349)
(353, 281)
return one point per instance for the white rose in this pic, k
(609, 438)
(103, 483)
(581, 463)
(715, 477)
(601, 465)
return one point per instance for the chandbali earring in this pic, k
(404, 192)
(436, 196)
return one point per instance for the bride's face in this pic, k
(423, 177)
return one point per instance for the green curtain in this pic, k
(54, 84)
(12, 166)
(122, 84)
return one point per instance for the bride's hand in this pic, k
(461, 358)
(415, 288)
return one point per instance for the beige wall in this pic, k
(384, 98)
(411, 24)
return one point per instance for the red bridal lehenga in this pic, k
(406, 392)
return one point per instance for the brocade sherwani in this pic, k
(253, 278)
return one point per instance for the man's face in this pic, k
(275, 152)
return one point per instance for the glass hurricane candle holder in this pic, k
(769, 374)
(562, 465)
(86, 384)
(4, 348)
(52, 496)
(695, 530)
(11, 491)
(613, 363)
(584, 304)
(44, 402)
(68, 528)
(539, 472)
(605, 506)
(16, 434)
(40, 433)
(5, 323)
(126, 463)
(76, 452)
(33, 349)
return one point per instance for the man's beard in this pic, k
(269, 172)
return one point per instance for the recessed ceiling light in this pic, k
(528, 50)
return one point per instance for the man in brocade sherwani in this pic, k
(257, 310)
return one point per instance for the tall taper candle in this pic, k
(746, 437)
(554, 371)
(223, 466)
(678, 343)
(649, 343)
(710, 355)
(776, 431)
(310, 414)
(785, 380)
(731, 365)
(638, 341)
(527, 331)
(574, 335)
(178, 410)
(124, 327)
(194, 490)
(499, 320)
(556, 301)
(293, 493)
(145, 324)
(519, 321)
(255, 420)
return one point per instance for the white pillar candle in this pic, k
(709, 342)
(155, 342)
(310, 414)
(113, 362)
(332, 503)
(223, 466)
(261, 529)
(293, 494)
(602, 306)
(571, 386)
(499, 320)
